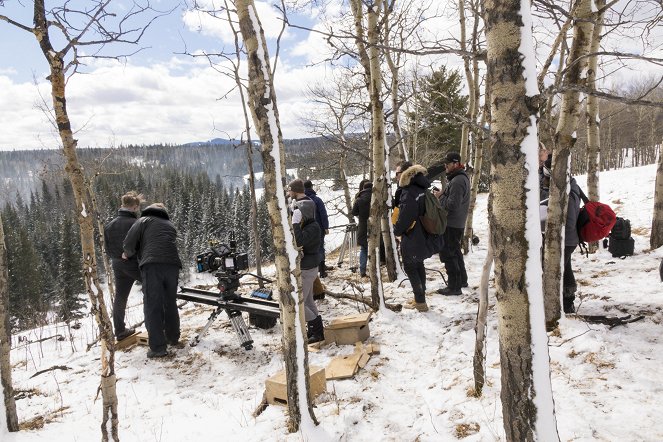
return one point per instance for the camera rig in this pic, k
(227, 265)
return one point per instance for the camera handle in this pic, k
(262, 278)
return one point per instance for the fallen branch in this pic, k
(58, 337)
(55, 367)
(393, 307)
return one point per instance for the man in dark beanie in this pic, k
(154, 239)
(455, 199)
(323, 221)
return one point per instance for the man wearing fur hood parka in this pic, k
(416, 243)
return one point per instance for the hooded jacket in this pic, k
(320, 210)
(116, 230)
(307, 234)
(153, 238)
(361, 209)
(456, 198)
(416, 243)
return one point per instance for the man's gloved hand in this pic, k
(296, 216)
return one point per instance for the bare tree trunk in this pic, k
(656, 236)
(482, 324)
(110, 279)
(84, 208)
(476, 177)
(378, 139)
(262, 102)
(527, 404)
(470, 114)
(394, 68)
(8, 414)
(593, 123)
(565, 139)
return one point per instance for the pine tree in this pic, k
(70, 284)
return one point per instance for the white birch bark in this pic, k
(527, 405)
(264, 110)
(8, 416)
(565, 139)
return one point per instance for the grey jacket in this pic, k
(153, 238)
(456, 199)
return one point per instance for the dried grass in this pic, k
(465, 430)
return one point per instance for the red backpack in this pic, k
(595, 220)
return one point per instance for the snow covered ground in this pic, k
(606, 382)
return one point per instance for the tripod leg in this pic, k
(241, 329)
(341, 253)
(196, 339)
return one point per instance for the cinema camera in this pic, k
(227, 263)
(228, 267)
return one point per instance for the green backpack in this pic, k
(434, 219)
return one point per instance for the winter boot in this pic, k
(316, 331)
(124, 334)
(568, 296)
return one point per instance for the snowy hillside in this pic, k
(606, 382)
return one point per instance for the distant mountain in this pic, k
(217, 142)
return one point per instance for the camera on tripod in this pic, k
(227, 263)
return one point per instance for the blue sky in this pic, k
(157, 95)
(161, 96)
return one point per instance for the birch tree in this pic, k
(8, 416)
(565, 138)
(656, 236)
(90, 28)
(592, 113)
(264, 110)
(527, 404)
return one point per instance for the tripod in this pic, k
(349, 245)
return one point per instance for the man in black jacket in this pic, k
(154, 239)
(455, 199)
(307, 236)
(126, 272)
(361, 208)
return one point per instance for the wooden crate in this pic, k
(276, 390)
(348, 330)
(127, 342)
(142, 339)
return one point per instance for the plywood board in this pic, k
(343, 367)
(126, 342)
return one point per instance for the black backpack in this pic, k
(621, 229)
(620, 242)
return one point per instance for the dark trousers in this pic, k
(126, 273)
(162, 320)
(416, 272)
(568, 278)
(322, 250)
(452, 257)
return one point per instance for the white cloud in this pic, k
(218, 27)
(173, 102)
